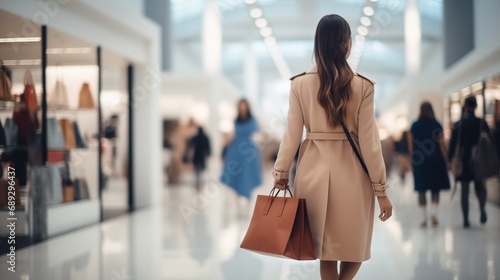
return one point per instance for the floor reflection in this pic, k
(197, 236)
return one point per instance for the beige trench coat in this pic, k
(338, 192)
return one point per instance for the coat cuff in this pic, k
(280, 175)
(379, 188)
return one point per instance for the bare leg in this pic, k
(329, 270)
(348, 270)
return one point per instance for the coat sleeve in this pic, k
(291, 138)
(370, 145)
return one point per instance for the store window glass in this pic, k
(20, 120)
(72, 116)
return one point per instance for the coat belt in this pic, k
(326, 136)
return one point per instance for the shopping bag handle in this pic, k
(275, 191)
(272, 195)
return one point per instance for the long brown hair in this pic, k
(331, 46)
(426, 112)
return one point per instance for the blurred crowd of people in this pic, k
(421, 150)
(471, 156)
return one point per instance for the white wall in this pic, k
(487, 20)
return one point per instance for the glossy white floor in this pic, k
(197, 237)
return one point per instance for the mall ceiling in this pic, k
(293, 23)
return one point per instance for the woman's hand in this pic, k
(281, 184)
(385, 208)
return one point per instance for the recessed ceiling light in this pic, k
(368, 11)
(256, 13)
(366, 21)
(363, 30)
(20, 40)
(261, 22)
(266, 32)
(374, 1)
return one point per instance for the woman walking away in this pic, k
(465, 135)
(428, 155)
(242, 160)
(340, 194)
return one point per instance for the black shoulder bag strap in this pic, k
(346, 131)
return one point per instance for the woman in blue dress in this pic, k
(242, 160)
(428, 155)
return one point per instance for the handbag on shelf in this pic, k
(280, 227)
(68, 133)
(68, 193)
(5, 84)
(10, 133)
(484, 156)
(29, 93)
(78, 136)
(54, 134)
(68, 188)
(85, 98)
(81, 186)
(58, 97)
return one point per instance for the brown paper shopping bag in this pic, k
(280, 227)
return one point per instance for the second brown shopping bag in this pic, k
(280, 227)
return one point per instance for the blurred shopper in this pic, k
(403, 156)
(465, 135)
(339, 192)
(242, 160)
(198, 148)
(428, 155)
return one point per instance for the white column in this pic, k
(413, 36)
(212, 38)
(251, 77)
(212, 52)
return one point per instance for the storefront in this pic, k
(67, 108)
